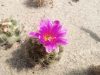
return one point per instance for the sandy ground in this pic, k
(82, 19)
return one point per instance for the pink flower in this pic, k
(50, 34)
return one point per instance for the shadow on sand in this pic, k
(77, 72)
(21, 59)
(92, 34)
(91, 70)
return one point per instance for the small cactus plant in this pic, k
(9, 32)
(35, 51)
(46, 43)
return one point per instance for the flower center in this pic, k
(48, 38)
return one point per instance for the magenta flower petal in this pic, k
(62, 41)
(34, 34)
(56, 27)
(50, 34)
(50, 48)
(45, 24)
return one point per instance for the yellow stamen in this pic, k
(48, 38)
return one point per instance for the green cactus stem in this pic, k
(9, 32)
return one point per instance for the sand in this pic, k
(81, 18)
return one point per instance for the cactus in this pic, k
(9, 32)
(37, 54)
